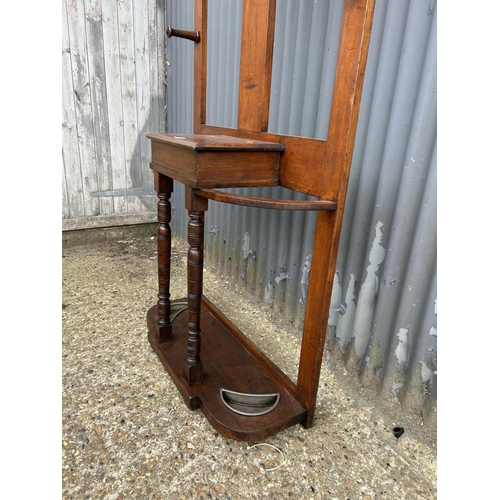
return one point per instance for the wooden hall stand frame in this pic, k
(242, 393)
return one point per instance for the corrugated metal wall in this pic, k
(383, 310)
(113, 93)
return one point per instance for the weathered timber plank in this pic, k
(72, 179)
(83, 105)
(97, 69)
(112, 50)
(100, 221)
(126, 30)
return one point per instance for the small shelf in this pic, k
(231, 362)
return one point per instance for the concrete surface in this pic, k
(128, 435)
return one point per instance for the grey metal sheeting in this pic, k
(383, 317)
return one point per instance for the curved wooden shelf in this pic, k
(269, 203)
(230, 360)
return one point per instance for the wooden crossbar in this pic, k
(269, 203)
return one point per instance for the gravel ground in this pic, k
(126, 432)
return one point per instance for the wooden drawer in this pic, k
(210, 161)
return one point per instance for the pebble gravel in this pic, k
(127, 434)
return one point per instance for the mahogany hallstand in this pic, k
(216, 368)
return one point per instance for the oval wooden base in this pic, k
(232, 362)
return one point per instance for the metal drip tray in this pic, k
(250, 405)
(177, 308)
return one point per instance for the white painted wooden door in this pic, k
(113, 93)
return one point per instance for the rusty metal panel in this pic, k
(383, 313)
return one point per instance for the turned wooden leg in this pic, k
(164, 188)
(193, 366)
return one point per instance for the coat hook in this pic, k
(189, 35)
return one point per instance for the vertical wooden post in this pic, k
(200, 66)
(351, 63)
(164, 188)
(196, 206)
(257, 39)
(316, 314)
